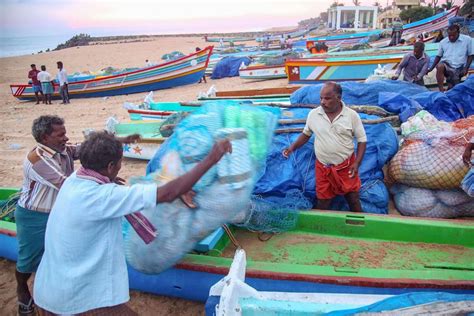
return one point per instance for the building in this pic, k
(385, 18)
(352, 17)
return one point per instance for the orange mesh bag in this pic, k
(433, 159)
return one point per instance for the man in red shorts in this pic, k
(335, 126)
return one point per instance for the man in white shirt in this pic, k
(46, 84)
(83, 269)
(335, 126)
(454, 58)
(63, 83)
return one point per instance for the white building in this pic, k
(353, 17)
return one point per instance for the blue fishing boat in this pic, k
(186, 70)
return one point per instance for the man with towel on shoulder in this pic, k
(44, 169)
(335, 126)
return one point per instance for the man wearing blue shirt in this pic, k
(454, 58)
(83, 268)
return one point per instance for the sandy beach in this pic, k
(16, 118)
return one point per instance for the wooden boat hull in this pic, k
(263, 72)
(144, 115)
(319, 70)
(430, 24)
(186, 70)
(149, 143)
(368, 254)
(256, 93)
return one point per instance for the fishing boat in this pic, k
(298, 32)
(282, 92)
(186, 70)
(228, 39)
(430, 24)
(145, 115)
(347, 65)
(149, 142)
(232, 296)
(327, 252)
(263, 72)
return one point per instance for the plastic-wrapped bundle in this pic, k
(256, 125)
(432, 159)
(422, 165)
(432, 203)
(232, 116)
(180, 228)
(195, 142)
(235, 169)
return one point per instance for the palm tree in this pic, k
(448, 5)
(356, 2)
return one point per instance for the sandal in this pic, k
(26, 309)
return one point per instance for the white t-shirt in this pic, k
(62, 77)
(334, 141)
(44, 76)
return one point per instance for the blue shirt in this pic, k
(83, 266)
(455, 54)
(413, 67)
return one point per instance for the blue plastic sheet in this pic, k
(357, 93)
(402, 98)
(404, 301)
(229, 67)
(297, 172)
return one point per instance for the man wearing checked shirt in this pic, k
(44, 169)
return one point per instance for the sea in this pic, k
(27, 45)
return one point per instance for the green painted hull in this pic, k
(347, 249)
(367, 249)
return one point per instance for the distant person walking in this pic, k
(221, 42)
(33, 76)
(397, 30)
(289, 42)
(204, 76)
(414, 65)
(46, 84)
(282, 42)
(63, 83)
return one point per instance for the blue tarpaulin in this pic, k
(404, 301)
(400, 97)
(357, 93)
(297, 172)
(229, 67)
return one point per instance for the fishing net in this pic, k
(432, 159)
(275, 214)
(7, 208)
(223, 194)
(419, 202)
(277, 60)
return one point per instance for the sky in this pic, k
(122, 17)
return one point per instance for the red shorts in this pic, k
(335, 180)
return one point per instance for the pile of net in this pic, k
(223, 194)
(277, 60)
(430, 168)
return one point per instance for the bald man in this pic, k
(335, 126)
